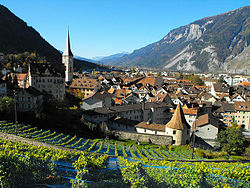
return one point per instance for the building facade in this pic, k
(47, 78)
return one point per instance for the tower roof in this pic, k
(178, 120)
(68, 49)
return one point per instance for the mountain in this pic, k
(85, 59)
(210, 44)
(17, 37)
(107, 59)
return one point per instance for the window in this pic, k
(174, 132)
(208, 129)
(145, 130)
(173, 141)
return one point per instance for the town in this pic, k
(174, 113)
(162, 108)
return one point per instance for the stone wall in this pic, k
(154, 139)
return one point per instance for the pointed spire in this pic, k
(178, 120)
(67, 49)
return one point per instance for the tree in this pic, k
(197, 80)
(80, 95)
(6, 105)
(221, 79)
(8, 65)
(167, 72)
(232, 140)
(132, 70)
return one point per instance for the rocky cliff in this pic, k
(210, 44)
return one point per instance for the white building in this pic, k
(47, 78)
(177, 128)
(97, 100)
(207, 128)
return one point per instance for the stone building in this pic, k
(85, 86)
(242, 114)
(47, 78)
(29, 100)
(207, 127)
(97, 100)
(178, 128)
(148, 112)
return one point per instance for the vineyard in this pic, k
(97, 146)
(102, 163)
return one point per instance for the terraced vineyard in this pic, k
(118, 164)
(93, 146)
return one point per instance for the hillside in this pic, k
(17, 37)
(204, 45)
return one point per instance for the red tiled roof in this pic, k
(244, 84)
(242, 106)
(21, 76)
(83, 83)
(153, 126)
(190, 111)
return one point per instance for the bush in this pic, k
(211, 154)
(23, 171)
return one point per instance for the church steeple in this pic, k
(67, 60)
(68, 49)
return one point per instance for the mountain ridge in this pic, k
(203, 45)
(17, 37)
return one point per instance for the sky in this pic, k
(106, 27)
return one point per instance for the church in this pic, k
(51, 79)
(67, 60)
